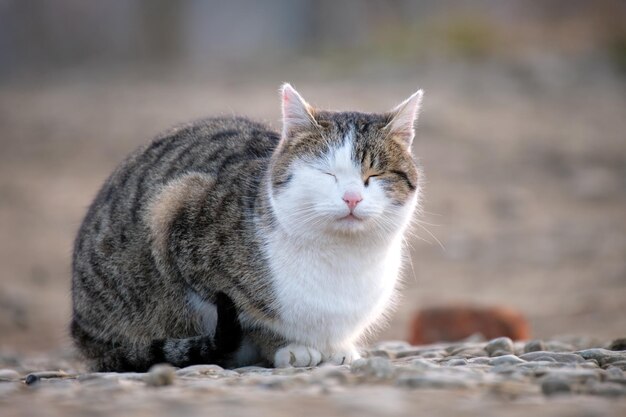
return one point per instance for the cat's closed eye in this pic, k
(367, 180)
(330, 174)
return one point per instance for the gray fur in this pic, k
(185, 215)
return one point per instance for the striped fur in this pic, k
(185, 227)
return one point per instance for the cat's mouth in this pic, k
(351, 218)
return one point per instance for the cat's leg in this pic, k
(297, 355)
(280, 353)
(342, 356)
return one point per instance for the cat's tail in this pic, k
(217, 349)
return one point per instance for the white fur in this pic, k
(334, 278)
(203, 312)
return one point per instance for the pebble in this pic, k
(614, 372)
(501, 346)
(31, 379)
(423, 364)
(9, 375)
(554, 386)
(493, 368)
(253, 370)
(433, 381)
(376, 367)
(607, 389)
(327, 374)
(505, 360)
(618, 344)
(556, 356)
(619, 364)
(200, 370)
(534, 346)
(480, 361)
(574, 375)
(160, 375)
(603, 356)
(381, 353)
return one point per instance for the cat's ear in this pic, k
(403, 118)
(297, 113)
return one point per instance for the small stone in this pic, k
(603, 356)
(470, 353)
(376, 367)
(253, 370)
(31, 379)
(618, 344)
(200, 370)
(276, 381)
(407, 353)
(457, 349)
(501, 344)
(479, 361)
(544, 358)
(50, 374)
(614, 372)
(432, 381)
(9, 375)
(160, 375)
(607, 389)
(619, 364)
(379, 352)
(540, 367)
(457, 362)
(554, 386)
(574, 375)
(500, 353)
(330, 373)
(505, 360)
(555, 356)
(423, 364)
(534, 346)
(393, 345)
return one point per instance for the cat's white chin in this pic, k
(350, 223)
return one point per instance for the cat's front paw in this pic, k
(342, 357)
(297, 356)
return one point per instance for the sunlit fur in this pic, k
(336, 277)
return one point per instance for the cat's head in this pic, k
(344, 173)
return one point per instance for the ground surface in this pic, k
(472, 379)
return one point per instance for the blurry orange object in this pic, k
(453, 323)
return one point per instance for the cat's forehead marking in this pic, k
(342, 157)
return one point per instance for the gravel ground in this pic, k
(394, 378)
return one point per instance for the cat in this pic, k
(225, 242)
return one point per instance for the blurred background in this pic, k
(522, 136)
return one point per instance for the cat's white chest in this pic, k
(328, 296)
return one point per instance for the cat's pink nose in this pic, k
(352, 198)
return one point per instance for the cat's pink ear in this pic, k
(297, 113)
(403, 118)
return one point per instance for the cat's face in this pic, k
(344, 173)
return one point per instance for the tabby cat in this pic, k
(225, 242)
